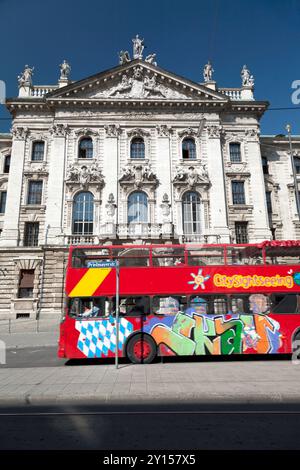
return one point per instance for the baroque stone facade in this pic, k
(134, 154)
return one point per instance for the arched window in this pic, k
(6, 166)
(191, 213)
(137, 207)
(83, 213)
(38, 148)
(85, 149)
(137, 148)
(188, 149)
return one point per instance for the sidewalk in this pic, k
(29, 333)
(265, 382)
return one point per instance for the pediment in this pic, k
(136, 81)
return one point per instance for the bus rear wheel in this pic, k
(141, 349)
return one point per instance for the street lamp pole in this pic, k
(288, 128)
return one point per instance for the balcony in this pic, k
(200, 238)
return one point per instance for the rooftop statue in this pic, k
(65, 70)
(151, 59)
(247, 78)
(124, 57)
(207, 72)
(138, 47)
(25, 79)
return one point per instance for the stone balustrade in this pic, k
(233, 93)
(40, 91)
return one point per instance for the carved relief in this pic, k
(191, 176)
(85, 131)
(59, 130)
(188, 132)
(165, 208)
(110, 207)
(214, 131)
(85, 175)
(138, 132)
(164, 130)
(138, 175)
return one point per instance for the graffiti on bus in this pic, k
(197, 332)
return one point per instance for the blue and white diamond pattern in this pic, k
(98, 337)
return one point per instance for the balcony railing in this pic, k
(139, 230)
(200, 238)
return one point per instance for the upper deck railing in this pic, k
(285, 252)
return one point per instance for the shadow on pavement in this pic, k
(263, 426)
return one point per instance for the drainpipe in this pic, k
(43, 278)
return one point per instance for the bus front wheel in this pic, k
(141, 349)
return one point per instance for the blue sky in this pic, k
(264, 34)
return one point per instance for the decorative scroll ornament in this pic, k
(59, 130)
(138, 132)
(138, 175)
(188, 132)
(84, 175)
(214, 131)
(252, 133)
(85, 131)
(25, 79)
(191, 176)
(163, 130)
(113, 130)
(20, 133)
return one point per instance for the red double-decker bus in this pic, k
(182, 300)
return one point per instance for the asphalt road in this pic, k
(135, 426)
(150, 427)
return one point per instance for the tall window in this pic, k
(6, 166)
(238, 192)
(83, 213)
(235, 152)
(35, 189)
(269, 202)
(137, 207)
(31, 234)
(241, 232)
(191, 213)
(85, 148)
(38, 151)
(188, 149)
(265, 165)
(297, 165)
(137, 148)
(26, 281)
(2, 201)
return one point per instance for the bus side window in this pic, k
(133, 306)
(168, 305)
(239, 304)
(285, 303)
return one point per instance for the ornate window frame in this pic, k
(188, 133)
(32, 138)
(138, 133)
(80, 134)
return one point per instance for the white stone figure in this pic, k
(25, 79)
(124, 85)
(110, 206)
(124, 57)
(180, 173)
(207, 72)
(148, 173)
(127, 172)
(151, 59)
(247, 78)
(65, 70)
(165, 207)
(192, 176)
(84, 177)
(138, 47)
(72, 173)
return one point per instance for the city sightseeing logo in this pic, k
(199, 280)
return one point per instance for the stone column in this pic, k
(55, 189)
(163, 171)
(10, 234)
(111, 171)
(217, 192)
(257, 185)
